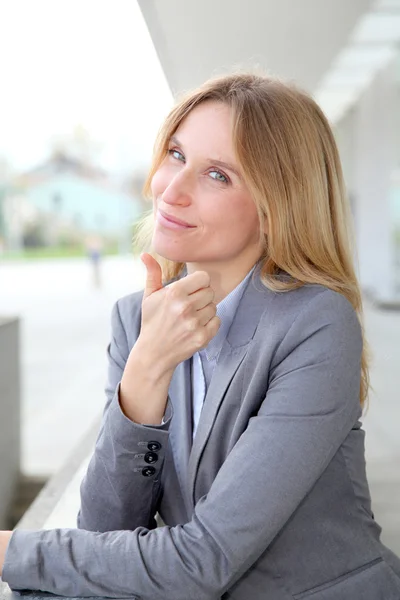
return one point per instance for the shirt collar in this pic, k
(226, 310)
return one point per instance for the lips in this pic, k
(175, 220)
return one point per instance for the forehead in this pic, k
(208, 128)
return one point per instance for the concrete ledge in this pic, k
(44, 505)
(49, 508)
(10, 393)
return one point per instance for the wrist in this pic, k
(153, 367)
(143, 389)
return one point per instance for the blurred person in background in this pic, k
(236, 381)
(94, 249)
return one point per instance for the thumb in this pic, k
(153, 276)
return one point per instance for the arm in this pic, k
(310, 406)
(114, 493)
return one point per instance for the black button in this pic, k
(150, 457)
(154, 446)
(148, 471)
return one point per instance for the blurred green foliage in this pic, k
(56, 252)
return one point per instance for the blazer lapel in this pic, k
(180, 431)
(233, 352)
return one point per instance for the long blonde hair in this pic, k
(291, 165)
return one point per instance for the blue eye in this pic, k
(176, 154)
(219, 176)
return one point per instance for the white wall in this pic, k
(367, 142)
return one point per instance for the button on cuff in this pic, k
(150, 457)
(148, 471)
(154, 446)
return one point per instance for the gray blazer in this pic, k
(270, 502)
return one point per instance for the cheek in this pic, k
(158, 183)
(242, 214)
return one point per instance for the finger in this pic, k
(193, 282)
(153, 274)
(206, 314)
(202, 298)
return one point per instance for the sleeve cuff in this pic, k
(164, 425)
(127, 433)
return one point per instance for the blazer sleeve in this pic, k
(311, 404)
(117, 491)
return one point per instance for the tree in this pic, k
(78, 145)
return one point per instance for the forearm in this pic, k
(118, 564)
(144, 387)
(122, 483)
(121, 487)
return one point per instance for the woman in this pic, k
(235, 392)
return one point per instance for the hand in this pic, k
(177, 320)
(5, 537)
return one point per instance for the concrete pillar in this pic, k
(10, 418)
(374, 131)
(344, 135)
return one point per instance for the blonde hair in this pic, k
(291, 165)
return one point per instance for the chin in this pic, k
(178, 256)
(166, 247)
(174, 254)
(175, 250)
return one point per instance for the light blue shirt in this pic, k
(204, 361)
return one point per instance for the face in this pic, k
(204, 213)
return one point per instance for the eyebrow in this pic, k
(217, 163)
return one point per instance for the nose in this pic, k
(179, 190)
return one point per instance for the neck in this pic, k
(224, 278)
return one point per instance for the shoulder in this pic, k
(311, 310)
(322, 305)
(130, 304)
(310, 300)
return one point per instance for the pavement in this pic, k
(64, 334)
(65, 329)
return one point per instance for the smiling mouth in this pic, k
(174, 220)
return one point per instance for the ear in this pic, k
(265, 229)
